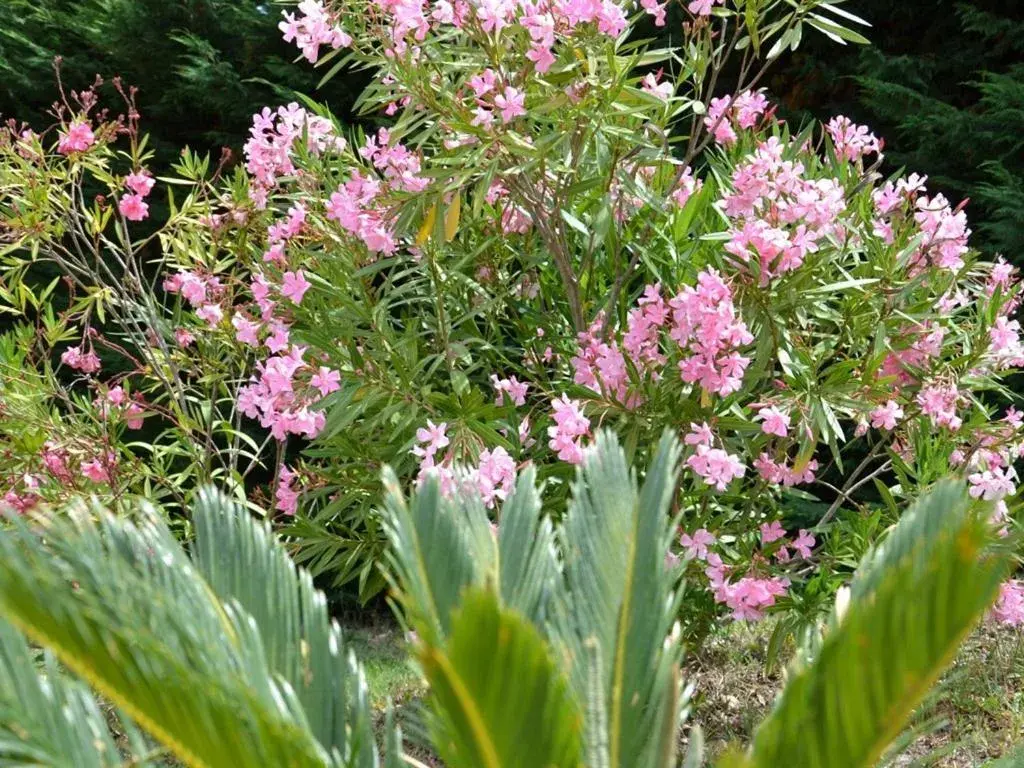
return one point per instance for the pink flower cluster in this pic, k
(202, 292)
(726, 113)
(939, 402)
(99, 469)
(490, 95)
(779, 214)
(133, 206)
(117, 402)
(747, 597)
(780, 473)
(570, 427)
(515, 389)
(1009, 608)
(86, 362)
(313, 28)
(852, 141)
(514, 218)
(268, 151)
(78, 138)
(715, 466)
(286, 495)
(407, 22)
(281, 401)
(701, 319)
(356, 205)
(493, 477)
(706, 325)
(945, 231)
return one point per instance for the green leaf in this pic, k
(498, 697)
(913, 601)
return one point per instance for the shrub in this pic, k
(550, 236)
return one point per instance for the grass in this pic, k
(976, 714)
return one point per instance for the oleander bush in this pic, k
(557, 228)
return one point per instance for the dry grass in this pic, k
(976, 714)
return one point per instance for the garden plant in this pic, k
(560, 251)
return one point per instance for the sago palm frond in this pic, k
(598, 589)
(499, 698)
(242, 562)
(201, 665)
(48, 719)
(912, 602)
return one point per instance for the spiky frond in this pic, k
(499, 698)
(598, 590)
(912, 602)
(221, 670)
(48, 719)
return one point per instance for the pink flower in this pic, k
(992, 484)
(702, 7)
(663, 90)
(750, 596)
(697, 545)
(513, 387)
(326, 380)
(133, 416)
(79, 138)
(699, 434)
(482, 117)
(541, 56)
(315, 27)
(495, 476)
(483, 83)
(775, 421)
(569, 429)
(434, 436)
(245, 329)
(715, 466)
(886, 416)
(183, 337)
(95, 470)
(286, 496)
(852, 141)
(133, 207)
(86, 362)
(211, 313)
(140, 182)
(511, 103)
(294, 285)
(655, 9)
(771, 532)
(803, 543)
(1009, 608)
(939, 403)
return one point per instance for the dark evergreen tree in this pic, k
(201, 66)
(943, 82)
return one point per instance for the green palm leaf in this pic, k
(438, 548)
(242, 561)
(48, 719)
(621, 602)
(913, 601)
(598, 590)
(527, 554)
(499, 700)
(121, 605)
